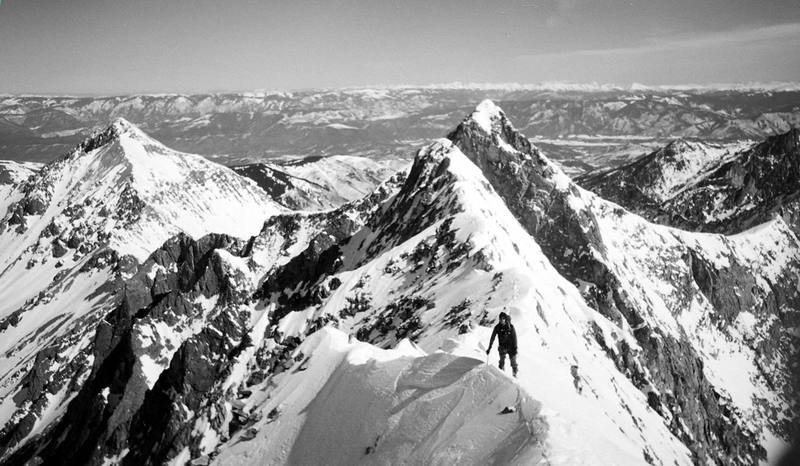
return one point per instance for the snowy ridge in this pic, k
(64, 234)
(659, 290)
(444, 409)
(669, 171)
(445, 215)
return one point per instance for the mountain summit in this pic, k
(124, 184)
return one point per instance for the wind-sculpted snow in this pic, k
(353, 403)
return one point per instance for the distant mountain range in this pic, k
(157, 307)
(582, 127)
(698, 186)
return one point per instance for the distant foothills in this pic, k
(582, 126)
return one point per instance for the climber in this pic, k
(506, 342)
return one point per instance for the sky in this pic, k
(121, 46)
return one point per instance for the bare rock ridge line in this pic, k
(358, 325)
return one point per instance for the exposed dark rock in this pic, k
(74, 241)
(322, 255)
(59, 249)
(117, 420)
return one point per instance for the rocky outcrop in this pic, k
(116, 407)
(322, 254)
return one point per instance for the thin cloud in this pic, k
(776, 34)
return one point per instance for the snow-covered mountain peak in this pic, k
(116, 130)
(681, 145)
(636, 285)
(486, 114)
(490, 122)
(681, 164)
(490, 141)
(122, 190)
(122, 125)
(504, 149)
(123, 175)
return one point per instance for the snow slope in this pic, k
(356, 404)
(12, 173)
(678, 294)
(442, 256)
(64, 238)
(320, 183)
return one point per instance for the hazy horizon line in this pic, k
(553, 85)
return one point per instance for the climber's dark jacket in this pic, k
(506, 336)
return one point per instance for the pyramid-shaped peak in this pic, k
(121, 125)
(485, 114)
(680, 146)
(120, 128)
(488, 125)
